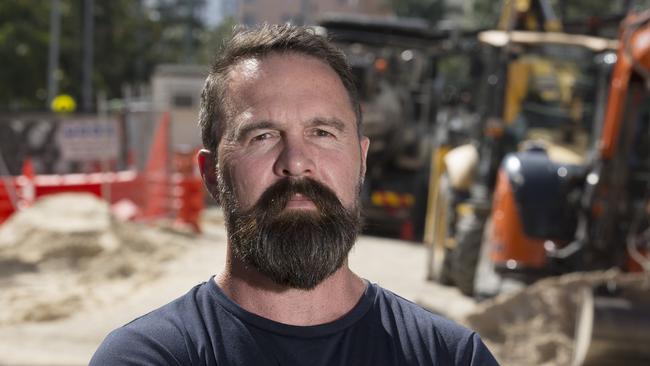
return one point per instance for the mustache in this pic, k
(276, 197)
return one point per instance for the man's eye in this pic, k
(261, 137)
(323, 133)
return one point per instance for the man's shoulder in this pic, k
(173, 316)
(410, 311)
(415, 325)
(162, 336)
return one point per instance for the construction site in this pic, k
(507, 188)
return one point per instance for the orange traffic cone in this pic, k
(26, 184)
(28, 168)
(157, 172)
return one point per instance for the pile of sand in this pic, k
(67, 252)
(536, 325)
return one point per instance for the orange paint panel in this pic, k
(632, 265)
(508, 240)
(635, 50)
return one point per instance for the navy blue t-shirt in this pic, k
(205, 327)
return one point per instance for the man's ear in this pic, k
(208, 166)
(365, 144)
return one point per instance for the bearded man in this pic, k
(285, 157)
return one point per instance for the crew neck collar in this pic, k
(357, 312)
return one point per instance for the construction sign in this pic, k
(88, 140)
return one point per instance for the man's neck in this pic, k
(328, 301)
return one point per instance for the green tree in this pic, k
(23, 51)
(129, 40)
(126, 39)
(182, 29)
(213, 40)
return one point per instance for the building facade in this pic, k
(250, 12)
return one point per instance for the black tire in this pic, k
(440, 266)
(465, 256)
(419, 210)
(444, 275)
(439, 262)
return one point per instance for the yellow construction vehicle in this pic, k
(536, 86)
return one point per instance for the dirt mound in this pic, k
(66, 251)
(536, 325)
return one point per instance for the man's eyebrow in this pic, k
(331, 122)
(244, 130)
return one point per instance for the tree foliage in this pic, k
(129, 40)
(23, 51)
(214, 39)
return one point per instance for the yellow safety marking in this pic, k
(392, 199)
(377, 198)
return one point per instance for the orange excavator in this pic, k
(539, 90)
(552, 218)
(554, 209)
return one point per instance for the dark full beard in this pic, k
(296, 248)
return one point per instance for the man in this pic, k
(285, 157)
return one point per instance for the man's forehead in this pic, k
(275, 68)
(245, 69)
(253, 67)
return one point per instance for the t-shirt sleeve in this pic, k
(465, 347)
(129, 347)
(479, 354)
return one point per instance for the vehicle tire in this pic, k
(419, 209)
(465, 256)
(445, 270)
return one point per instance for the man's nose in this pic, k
(294, 160)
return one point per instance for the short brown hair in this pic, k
(259, 42)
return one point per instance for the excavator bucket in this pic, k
(613, 327)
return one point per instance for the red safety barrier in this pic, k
(118, 186)
(6, 205)
(188, 200)
(156, 192)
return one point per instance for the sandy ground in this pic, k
(56, 312)
(536, 326)
(69, 274)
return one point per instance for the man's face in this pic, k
(290, 116)
(290, 167)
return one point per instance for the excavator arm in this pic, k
(633, 57)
